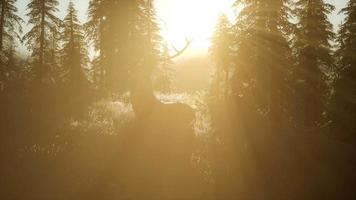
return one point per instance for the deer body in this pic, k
(169, 123)
(147, 107)
(160, 148)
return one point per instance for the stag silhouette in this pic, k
(159, 150)
(171, 123)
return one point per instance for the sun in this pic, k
(195, 19)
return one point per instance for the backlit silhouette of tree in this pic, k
(343, 104)
(222, 52)
(314, 59)
(44, 25)
(10, 30)
(74, 53)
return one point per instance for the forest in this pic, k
(92, 111)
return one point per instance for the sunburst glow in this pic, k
(194, 19)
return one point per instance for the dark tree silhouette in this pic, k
(10, 28)
(74, 53)
(44, 25)
(263, 58)
(10, 23)
(111, 28)
(343, 104)
(126, 36)
(151, 38)
(95, 29)
(260, 107)
(314, 59)
(221, 50)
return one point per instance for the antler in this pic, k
(180, 52)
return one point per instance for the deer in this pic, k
(158, 152)
(173, 120)
(147, 106)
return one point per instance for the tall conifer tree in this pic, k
(150, 32)
(125, 34)
(222, 53)
(44, 25)
(74, 52)
(113, 28)
(263, 57)
(314, 59)
(343, 104)
(95, 29)
(10, 28)
(10, 22)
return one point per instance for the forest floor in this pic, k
(85, 163)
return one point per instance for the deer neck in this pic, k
(143, 101)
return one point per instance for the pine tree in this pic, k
(10, 23)
(74, 52)
(112, 27)
(343, 104)
(150, 33)
(347, 38)
(10, 28)
(262, 61)
(45, 24)
(314, 59)
(95, 29)
(125, 35)
(263, 57)
(222, 53)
